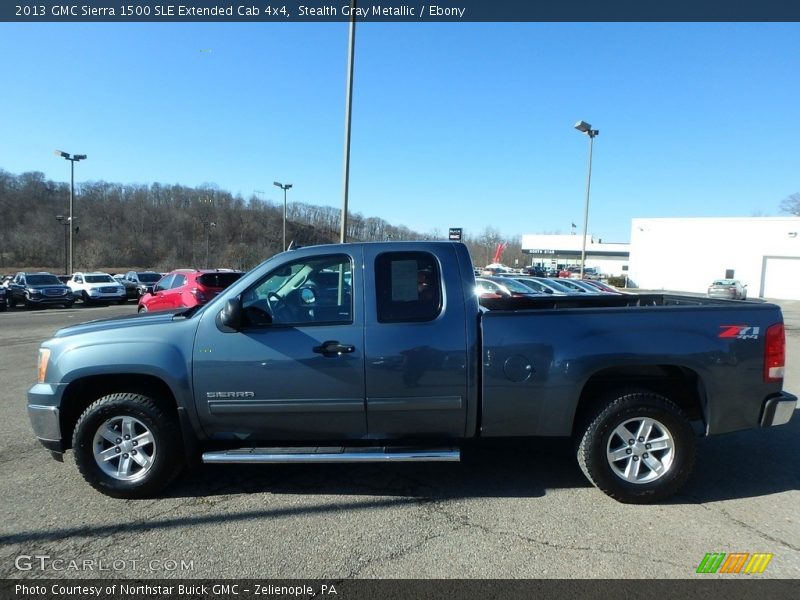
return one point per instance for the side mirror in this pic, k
(231, 315)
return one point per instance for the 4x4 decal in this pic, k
(739, 332)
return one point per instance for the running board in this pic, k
(333, 455)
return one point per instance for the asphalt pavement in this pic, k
(509, 510)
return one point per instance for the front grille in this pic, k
(108, 290)
(54, 292)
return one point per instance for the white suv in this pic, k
(97, 287)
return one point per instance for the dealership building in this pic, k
(687, 254)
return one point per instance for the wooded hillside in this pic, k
(165, 226)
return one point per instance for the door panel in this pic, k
(416, 347)
(287, 379)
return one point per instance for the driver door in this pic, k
(294, 370)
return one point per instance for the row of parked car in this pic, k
(515, 285)
(181, 288)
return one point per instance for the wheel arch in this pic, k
(681, 385)
(81, 393)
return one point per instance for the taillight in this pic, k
(775, 354)
(197, 293)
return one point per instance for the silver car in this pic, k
(731, 289)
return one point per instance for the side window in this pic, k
(178, 281)
(163, 283)
(407, 286)
(311, 291)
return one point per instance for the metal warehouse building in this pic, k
(688, 254)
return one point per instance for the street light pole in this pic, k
(348, 113)
(284, 188)
(72, 158)
(585, 128)
(208, 225)
(65, 223)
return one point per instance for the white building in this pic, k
(688, 254)
(553, 250)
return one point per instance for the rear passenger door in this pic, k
(415, 344)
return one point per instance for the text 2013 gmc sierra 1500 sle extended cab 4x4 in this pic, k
(381, 352)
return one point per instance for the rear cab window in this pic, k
(408, 287)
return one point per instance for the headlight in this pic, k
(33, 292)
(41, 367)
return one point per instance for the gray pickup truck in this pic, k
(381, 352)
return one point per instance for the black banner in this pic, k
(315, 11)
(734, 588)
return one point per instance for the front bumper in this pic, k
(44, 400)
(65, 299)
(106, 296)
(778, 409)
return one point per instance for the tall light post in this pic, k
(72, 158)
(348, 113)
(284, 188)
(66, 223)
(208, 226)
(585, 128)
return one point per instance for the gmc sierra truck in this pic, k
(381, 352)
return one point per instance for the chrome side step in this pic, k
(333, 455)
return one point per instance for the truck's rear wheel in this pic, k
(128, 446)
(638, 448)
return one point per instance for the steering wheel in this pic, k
(277, 305)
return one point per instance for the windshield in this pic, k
(149, 277)
(99, 279)
(514, 285)
(42, 280)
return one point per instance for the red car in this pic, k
(185, 288)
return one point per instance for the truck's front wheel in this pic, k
(128, 446)
(638, 448)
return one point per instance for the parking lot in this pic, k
(509, 510)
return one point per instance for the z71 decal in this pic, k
(739, 332)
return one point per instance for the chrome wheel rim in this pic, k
(124, 448)
(640, 450)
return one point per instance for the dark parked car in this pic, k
(3, 301)
(540, 285)
(38, 289)
(139, 283)
(578, 286)
(535, 271)
(185, 288)
(727, 288)
(502, 287)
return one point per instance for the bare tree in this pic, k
(791, 205)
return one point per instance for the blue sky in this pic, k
(456, 124)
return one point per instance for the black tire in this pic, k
(12, 302)
(599, 440)
(69, 304)
(164, 455)
(142, 309)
